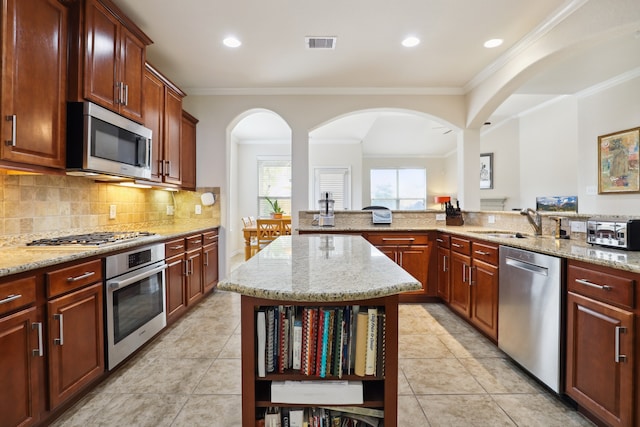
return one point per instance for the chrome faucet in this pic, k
(534, 219)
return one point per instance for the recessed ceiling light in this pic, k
(232, 42)
(493, 43)
(411, 41)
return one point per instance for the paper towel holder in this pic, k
(208, 199)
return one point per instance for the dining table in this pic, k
(250, 232)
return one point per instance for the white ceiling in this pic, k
(368, 56)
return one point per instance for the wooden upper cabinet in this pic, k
(108, 67)
(188, 142)
(162, 109)
(34, 82)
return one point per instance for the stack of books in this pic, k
(321, 341)
(343, 416)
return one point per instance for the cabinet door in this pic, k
(76, 342)
(484, 298)
(154, 120)
(102, 56)
(460, 295)
(132, 54)
(415, 260)
(210, 266)
(34, 82)
(594, 378)
(176, 296)
(172, 134)
(18, 368)
(188, 142)
(444, 260)
(195, 284)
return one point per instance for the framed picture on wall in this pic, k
(618, 162)
(486, 171)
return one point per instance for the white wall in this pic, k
(614, 109)
(503, 142)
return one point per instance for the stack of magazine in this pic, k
(327, 416)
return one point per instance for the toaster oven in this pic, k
(621, 234)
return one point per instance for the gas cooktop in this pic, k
(90, 239)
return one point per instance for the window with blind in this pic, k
(404, 189)
(335, 180)
(274, 182)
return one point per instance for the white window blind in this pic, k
(338, 182)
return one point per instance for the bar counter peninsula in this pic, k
(319, 327)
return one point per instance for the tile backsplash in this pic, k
(33, 205)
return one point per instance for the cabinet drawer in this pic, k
(462, 246)
(602, 284)
(74, 277)
(485, 252)
(394, 239)
(210, 237)
(193, 242)
(444, 240)
(17, 293)
(174, 247)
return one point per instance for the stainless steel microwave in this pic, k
(104, 145)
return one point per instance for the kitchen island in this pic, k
(319, 271)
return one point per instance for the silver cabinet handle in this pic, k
(168, 167)
(176, 247)
(82, 276)
(471, 276)
(206, 258)
(482, 253)
(464, 273)
(126, 94)
(593, 285)
(13, 118)
(619, 357)
(398, 239)
(10, 298)
(444, 263)
(196, 242)
(38, 351)
(212, 237)
(456, 245)
(440, 240)
(59, 318)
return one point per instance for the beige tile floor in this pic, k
(190, 376)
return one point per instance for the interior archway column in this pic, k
(299, 172)
(469, 169)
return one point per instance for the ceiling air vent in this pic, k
(320, 42)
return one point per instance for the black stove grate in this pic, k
(90, 239)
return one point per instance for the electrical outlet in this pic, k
(441, 217)
(198, 209)
(491, 219)
(170, 210)
(112, 211)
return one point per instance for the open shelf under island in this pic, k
(328, 274)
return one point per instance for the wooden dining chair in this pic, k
(286, 227)
(246, 222)
(268, 230)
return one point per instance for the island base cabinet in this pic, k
(379, 392)
(600, 359)
(76, 342)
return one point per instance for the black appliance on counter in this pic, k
(614, 233)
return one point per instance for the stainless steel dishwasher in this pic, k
(529, 312)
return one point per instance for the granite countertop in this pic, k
(575, 249)
(319, 268)
(21, 258)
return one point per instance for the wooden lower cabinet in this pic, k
(76, 342)
(210, 261)
(411, 251)
(474, 284)
(20, 336)
(444, 266)
(176, 300)
(602, 343)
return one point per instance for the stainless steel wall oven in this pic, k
(135, 300)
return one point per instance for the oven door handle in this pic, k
(116, 284)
